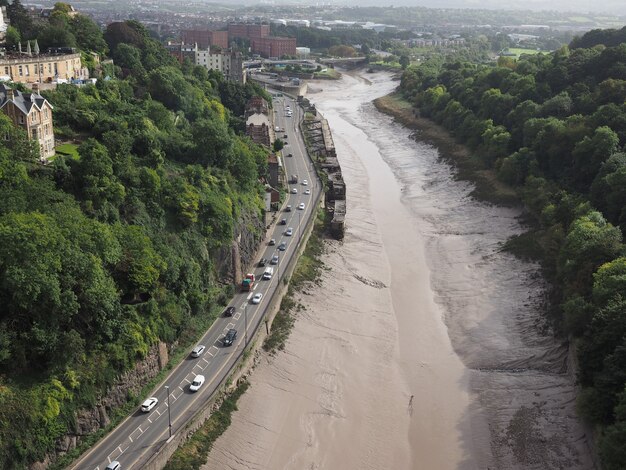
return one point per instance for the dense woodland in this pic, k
(554, 126)
(106, 252)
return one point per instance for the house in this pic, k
(31, 112)
(259, 121)
(31, 67)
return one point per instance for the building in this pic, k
(259, 121)
(62, 63)
(31, 112)
(248, 31)
(181, 51)
(274, 46)
(273, 170)
(230, 63)
(303, 52)
(205, 38)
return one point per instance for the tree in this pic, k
(404, 61)
(88, 34)
(278, 145)
(591, 152)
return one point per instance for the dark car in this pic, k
(285, 136)
(283, 221)
(262, 262)
(290, 155)
(272, 242)
(282, 246)
(230, 337)
(229, 312)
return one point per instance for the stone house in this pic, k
(33, 113)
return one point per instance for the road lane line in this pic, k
(211, 351)
(237, 315)
(250, 295)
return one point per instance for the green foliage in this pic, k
(117, 246)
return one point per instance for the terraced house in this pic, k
(33, 113)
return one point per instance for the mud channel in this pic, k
(424, 347)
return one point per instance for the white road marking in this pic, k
(229, 326)
(250, 295)
(237, 315)
(243, 305)
(187, 380)
(207, 362)
(212, 351)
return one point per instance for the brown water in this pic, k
(424, 346)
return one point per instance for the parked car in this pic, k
(150, 403)
(229, 312)
(275, 259)
(230, 337)
(282, 246)
(262, 262)
(198, 350)
(289, 232)
(290, 155)
(301, 206)
(115, 465)
(272, 242)
(283, 221)
(197, 383)
(288, 208)
(257, 298)
(285, 136)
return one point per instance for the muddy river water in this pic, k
(424, 345)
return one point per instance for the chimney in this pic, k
(35, 88)
(10, 94)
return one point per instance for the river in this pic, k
(424, 345)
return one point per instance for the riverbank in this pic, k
(487, 185)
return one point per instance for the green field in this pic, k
(68, 149)
(518, 51)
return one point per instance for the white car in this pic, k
(150, 403)
(305, 182)
(289, 232)
(195, 352)
(294, 190)
(301, 206)
(257, 298)
(197, 383)
(307, 191)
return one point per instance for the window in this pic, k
(45, 113)
(6, 71)
(21, 119)
(27, 70)
(19, 70)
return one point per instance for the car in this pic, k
(307, 191)
(283, 221)
(257, 298)
(229, 337)
(197, 383)
(229, 312)
(150, 403)
(282, 246)
(275, 259)
(289, 232)
(290, 155)
(115, 465)
(305, 182)
(198, 350)
(301, 206)
(294, 190)
(288, 208)
(285, 136)
(272, 242)
(262, 262)
(288, 115)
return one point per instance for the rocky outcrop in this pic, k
(249, 231)
(88, 421)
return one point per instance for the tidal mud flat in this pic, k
(424, 346)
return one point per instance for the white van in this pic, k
(269, 271)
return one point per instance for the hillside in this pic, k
(125, 242)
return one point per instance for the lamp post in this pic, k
(299, 230)
(169, 414)
(245, 319)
